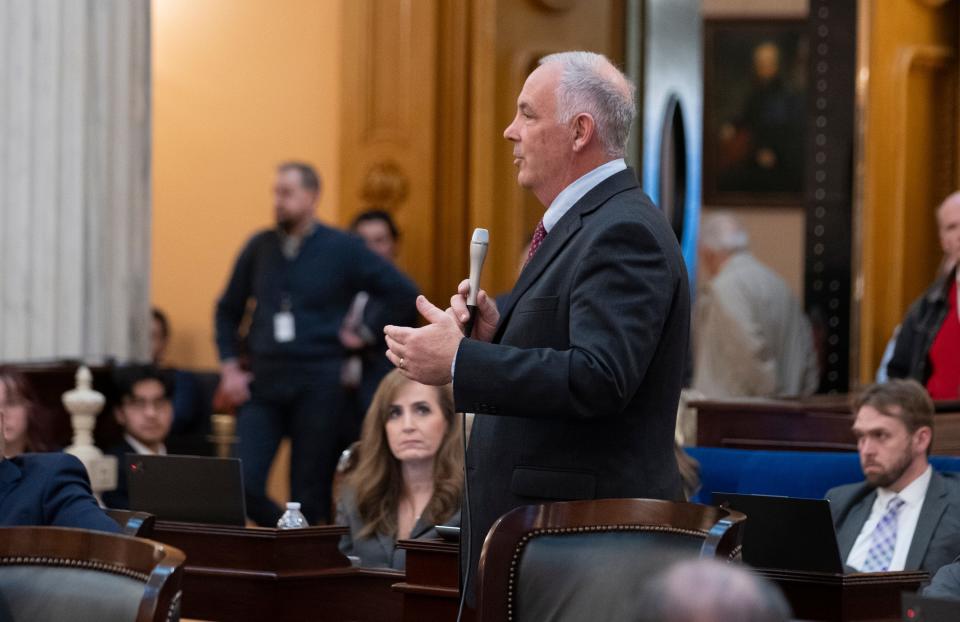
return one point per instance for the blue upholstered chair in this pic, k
(807, 474)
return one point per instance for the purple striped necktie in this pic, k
(883, 540)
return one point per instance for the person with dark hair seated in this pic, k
(21, 408)
(409, 474)
(145, 413)
(49, 489)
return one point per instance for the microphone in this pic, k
(478, 253)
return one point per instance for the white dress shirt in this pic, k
(142, 449)
(913, 496)
(569, 196)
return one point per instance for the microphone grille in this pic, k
(480, 236)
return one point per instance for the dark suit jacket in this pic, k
(119, 498)
(380, 550)
(576, 397)
(936, 541)
(49, 489)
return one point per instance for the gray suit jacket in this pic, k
(380, 550)
(936, 541)
(946, 583)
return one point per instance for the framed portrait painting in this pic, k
(755, 87)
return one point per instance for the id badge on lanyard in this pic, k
(284, 329)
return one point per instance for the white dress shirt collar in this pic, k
(142, 449)
(569, 196)
(912, 495)
(907, 518)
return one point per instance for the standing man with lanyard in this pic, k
(574, 382)
(302, 276)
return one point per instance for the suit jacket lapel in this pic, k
(853, 523)
(561, 234)
(934, 505)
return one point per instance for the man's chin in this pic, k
(879, 479)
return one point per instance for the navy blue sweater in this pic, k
(330, 269)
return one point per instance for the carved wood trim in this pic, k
(910, 61)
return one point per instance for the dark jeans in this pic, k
(356, 401)
(301, 401)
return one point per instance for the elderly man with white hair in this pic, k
(751, 338)
(575, 379)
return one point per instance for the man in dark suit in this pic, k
(575, 381)
(145, 412)
(904, 516)
(49, 489)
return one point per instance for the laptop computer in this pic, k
(187, 488)
(786, 532)
(916, 608)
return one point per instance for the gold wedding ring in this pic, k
(401, 363)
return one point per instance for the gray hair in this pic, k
(723, 592)
(591, 84)
(722, 231)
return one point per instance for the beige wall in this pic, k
(776, 233)
(238, 86)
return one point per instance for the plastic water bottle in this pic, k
(292, 518)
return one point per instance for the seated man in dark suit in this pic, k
(145, 413)
(49, 489)
(904, 516)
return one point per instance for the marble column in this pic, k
(74, 179)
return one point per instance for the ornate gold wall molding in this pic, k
(906, 161)
(429, 86)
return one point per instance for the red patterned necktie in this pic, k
(538, 235)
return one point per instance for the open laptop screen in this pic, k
(187, 488)
(786, 532)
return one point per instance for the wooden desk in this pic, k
(237, 573)
(234, 573)
(819, 423)
(856, 597)
(431, 590)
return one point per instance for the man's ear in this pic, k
(584, 128)
(119, 416)
(922, 439)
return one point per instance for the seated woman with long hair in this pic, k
(409, 475)
(21, 414)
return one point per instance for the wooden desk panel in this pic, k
(873, 596)
(237, 573)
(819, 423)
(431, 590)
